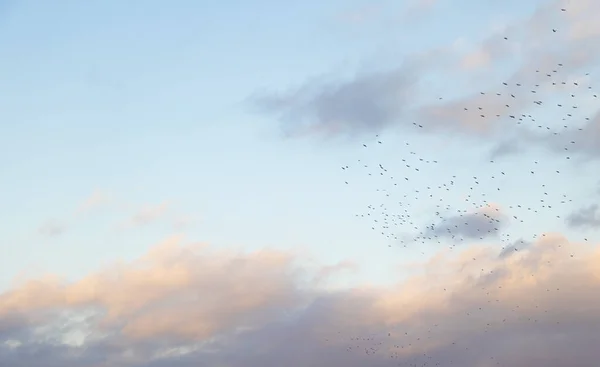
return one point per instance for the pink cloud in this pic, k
(216, 306)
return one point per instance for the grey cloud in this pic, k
(514, 247)
(13, 326)
(588, 216)
(506, 148)
(583, 142)
(368, 103)
(501, 111)
(51, 229)
(577, 141)
(147, 215)
(476, 225)
(577, 54)
(455, 320)
(371, 102)
(541, 47)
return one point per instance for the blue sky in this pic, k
(148, 103)
(126, 124)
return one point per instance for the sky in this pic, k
(181, 186)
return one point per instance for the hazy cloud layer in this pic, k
(190, 305)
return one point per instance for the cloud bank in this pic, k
(186, 304)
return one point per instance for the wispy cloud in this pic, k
(146, 215)
(184, 222)
(95, 200)
(51, 228)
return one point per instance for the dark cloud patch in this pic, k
(513, 248)
(478, 225)
(13, 326)
(578, 140)
(368, 103)
(588, 216)
(582, 141)
(506, 148)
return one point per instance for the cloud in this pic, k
(475, 60)
(505, 148)
(588, 216)
(484, 222)
(567, 45)
(548, 65)
(514, 247)
(183, 222)
(147, 215)
(328, 271)
(581, 141)
(373, 101)
(192, 305)
(370, 102)
(156, 294)
(95, 200)
(367, 103)
(51, 228)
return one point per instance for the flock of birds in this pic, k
(462, 207)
